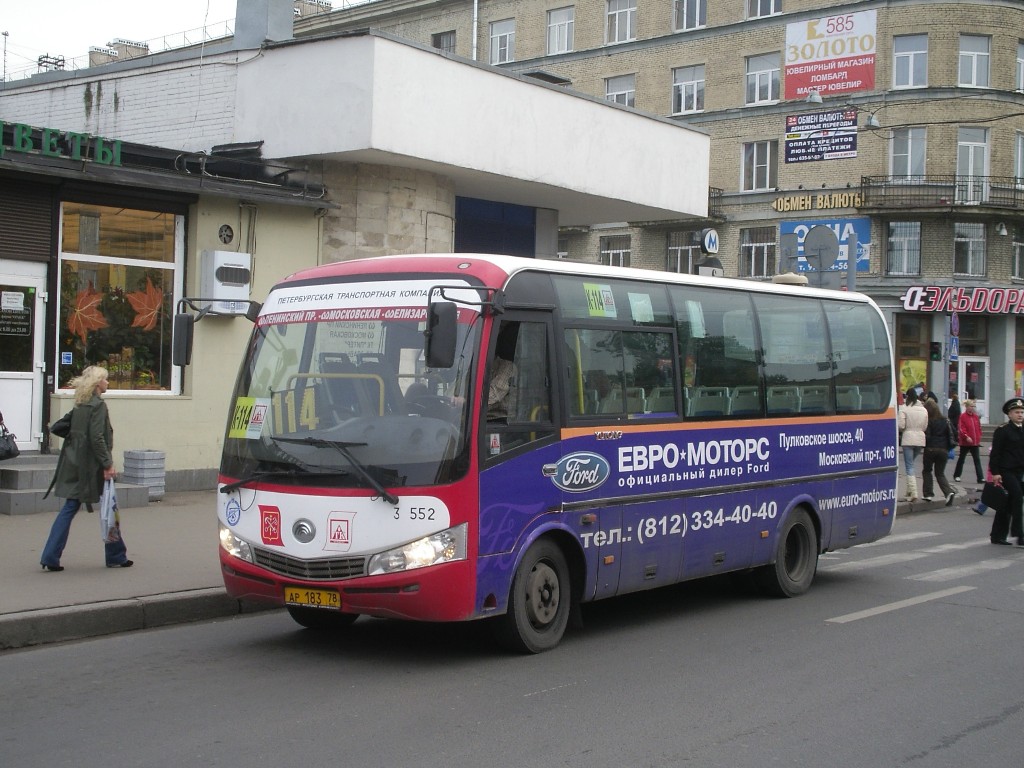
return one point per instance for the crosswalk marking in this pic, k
(898, 538)
(845, 619)
(875, 562)
(963, 571)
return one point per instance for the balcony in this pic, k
(941, 192)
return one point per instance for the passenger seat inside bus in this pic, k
(848, 398)
(814, 399)
(783, 399)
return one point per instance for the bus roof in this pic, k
(496, 270)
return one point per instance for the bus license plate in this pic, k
(312, 598)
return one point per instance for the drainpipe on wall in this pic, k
(476, 16)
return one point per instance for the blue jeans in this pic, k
(116, 552)
(910, 454)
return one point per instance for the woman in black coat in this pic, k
(938, 439)
(86, 461)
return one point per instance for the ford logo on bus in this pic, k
(579, 472)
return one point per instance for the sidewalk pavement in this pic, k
(176, 577)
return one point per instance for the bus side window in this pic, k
(797, 359)
(718, 345)
(521, 360)
(860, 357)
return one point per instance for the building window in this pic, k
(560, 29)
(503, 41)
(762, 78)
(688, 89)
(690, 14)
(903, 255)
(974, 60)
(120, 276)
(757, 252)
(444, 41)
(760, 165)
(615, 251)
(969, 249)
(563, 247)
(621, 89)
(908, 152)
(910, 61)
(621, 21)
(1019, 78)
(683, 252)
(758, 8)
(974, 336)
(913, 333)
(971, 165)
(1018, 253)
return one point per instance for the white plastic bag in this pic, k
(110, 521)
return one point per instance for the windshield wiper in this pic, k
(343, 448)
(227, 488)
(291, 473)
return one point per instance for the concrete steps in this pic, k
(23, 482)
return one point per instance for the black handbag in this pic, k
(62, 426)
(995, 496)
(8, 442)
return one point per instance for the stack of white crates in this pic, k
(145, 467)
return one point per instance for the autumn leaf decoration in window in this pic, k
(147, 305)
(85, 315)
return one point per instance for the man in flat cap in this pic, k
(1006, 463)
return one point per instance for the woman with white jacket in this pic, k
(913, 420)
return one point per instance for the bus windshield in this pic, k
(334, 392)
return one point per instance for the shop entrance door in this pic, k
(22, 326)
(972, 382)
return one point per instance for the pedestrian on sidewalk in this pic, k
(913, 420)
(86, 460)
(969, 438)
(1006, 461)
(938, 442)
(954, 412)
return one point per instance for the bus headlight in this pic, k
(443, 547)
(233, 545)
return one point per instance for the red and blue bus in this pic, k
(458, 437)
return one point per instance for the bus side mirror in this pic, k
(181, 346)
(441, 334)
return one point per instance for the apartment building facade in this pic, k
(898, 126)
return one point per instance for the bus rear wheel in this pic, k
(538, 605)
(796, 558)
(318, 618)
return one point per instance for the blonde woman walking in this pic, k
(86, 461)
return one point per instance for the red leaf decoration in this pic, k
(147, 305)
(85, 316)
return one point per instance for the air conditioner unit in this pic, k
(226, 277)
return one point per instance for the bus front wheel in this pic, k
(796, 558)
(318, 618)
(538, 605)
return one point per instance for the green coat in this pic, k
(86, 452)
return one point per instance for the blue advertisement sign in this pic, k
(844, 229)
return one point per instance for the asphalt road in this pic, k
(905, 652)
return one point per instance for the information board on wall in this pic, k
(833, 55)
(821, 136)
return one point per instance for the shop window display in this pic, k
(119, 280)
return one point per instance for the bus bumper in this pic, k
(436, 593)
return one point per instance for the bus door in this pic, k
(518, 438)
(624, 379)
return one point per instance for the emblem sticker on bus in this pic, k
(579, 472)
